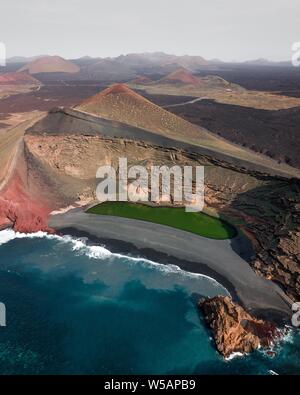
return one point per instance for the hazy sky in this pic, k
(224, 29)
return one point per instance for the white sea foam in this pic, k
(80, 246)
(7, 235)
(234, 355)
(289, 334)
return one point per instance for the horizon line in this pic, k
(151, 52)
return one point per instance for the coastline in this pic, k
(224, 261)
(129, 249)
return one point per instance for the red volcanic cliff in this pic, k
(19, 210)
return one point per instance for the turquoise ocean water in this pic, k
(78, 309)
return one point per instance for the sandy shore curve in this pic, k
(224, 260)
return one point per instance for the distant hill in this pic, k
(181, 76)
(192, 63)
(141, 79)
(50, 64)
(259, 62)
(216, 88)
(107, 70)
(161, 59)
(20, 78)
(85, 61)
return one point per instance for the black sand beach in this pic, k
(223, 260)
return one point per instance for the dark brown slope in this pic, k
(272, 133)
(120, 103)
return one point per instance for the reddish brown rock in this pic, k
(234, 329)
(24, 213)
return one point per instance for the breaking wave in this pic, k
(81, 247)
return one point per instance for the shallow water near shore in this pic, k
(73, 308)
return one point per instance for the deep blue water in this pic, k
(74, 309)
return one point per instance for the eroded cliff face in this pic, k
(23, 208)
(234, 330)
(69, 164)
(277, 240)
(22, 214)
